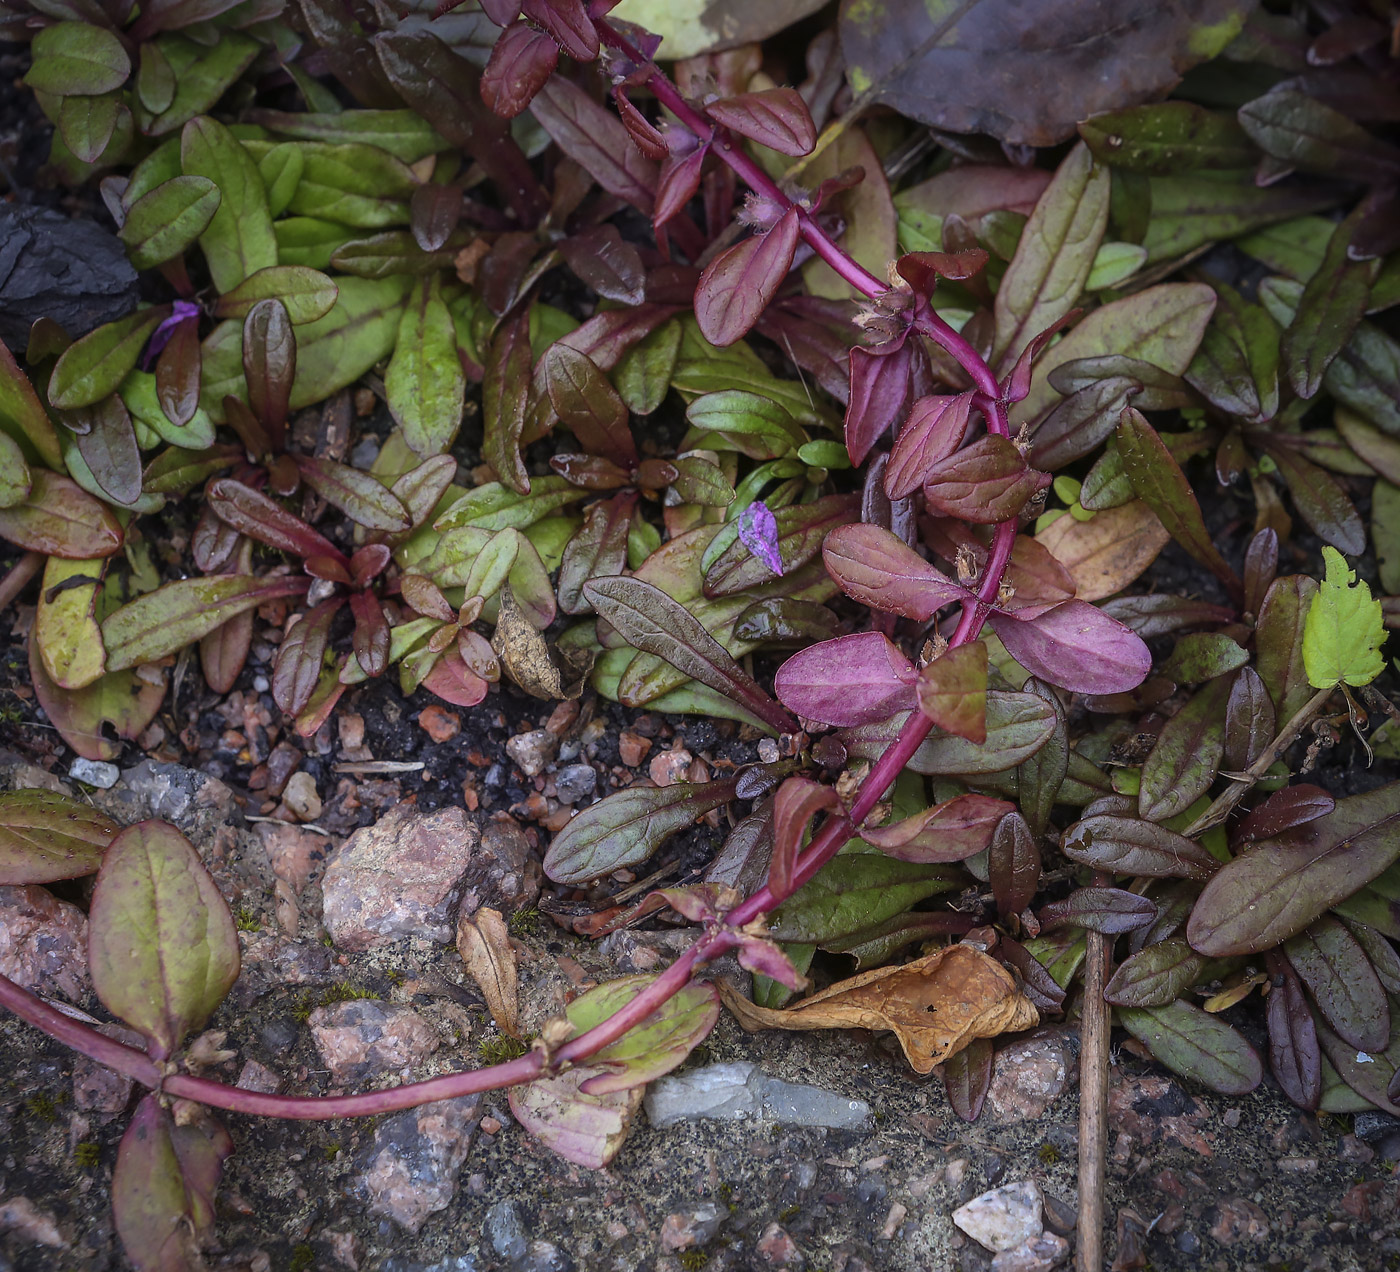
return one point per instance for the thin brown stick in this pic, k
(1222, 806)
(14, 581)
(1093, 1103)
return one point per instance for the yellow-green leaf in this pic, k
(1344, 629)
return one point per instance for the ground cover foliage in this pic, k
(848, 408)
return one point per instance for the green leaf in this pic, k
(179, 613)
(1055, 255)
(1183, 762)
(77, 58)
(161, 943)
(22, 417)
(1236, 367)
(1196, 1045)
(1278, 642)
(45, 836)
(626, 828)
(1156, 976)
(238, 240)
(92, 720)
(1202, 656)
(1385, 534)
(855, 891)
(161, 224)
(492, 506)
(1168, 137)
(64, 626)
(1280, 885)
(93, 367)
(61, 519)
(1162, 325)
(1342, 982)
(354, 184)
(202, 75)
(15, 480)
(87, 124)
(425, 384)
(1018, 725)
(307, 293)
(643, 377)
(1334, 301)
(280, 169)
(403, 133)
(1344, 629)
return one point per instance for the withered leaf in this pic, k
(484, 944)
(935, 1006)
(526, 656)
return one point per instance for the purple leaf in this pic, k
(181, 311)
(738, 284)
(766, 958)
(933, 431)
(521, 61)
(852, 680)
(758, 532)
(1077, 647)
(879, 388)
(874, 566)
(776, 117)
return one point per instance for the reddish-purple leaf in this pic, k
(967, 1077)
(358, 495)
(420, 489)
(1250, 720)
(982, 483)
(739, 283)
(607, 263)
(1260, 568)
(766, 958)
(434, 211)
(933, 431)
(1319, 498)
(177, 374)
(522, 59)
(46, 836)
(852, 680)
(504, 393)
(501, 12)
(922, 270)
(254, 514)
(1294, 1053)
(453, 681)
(1039, 582)
(598, 550)
(677, 185)
(371, 637)
(1186, 757)
(645, 135)
(426, 598)
(608, 335)
(1017, 382)
(1013, 864)
(595, 139)
(1283, 810)
(300, 656)
(1131, 846)
(880, 383)
(955, 830)
(873, 566)
(568, 22)
(1077, 647)
(798, 801)
(587, 404)
(1039, 985)
(758, 531)
(775, 117)
(1107, 910)
(108, 447)
(269, 364)
(952, 691)
(1342, 982)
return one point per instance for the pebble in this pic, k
(439, 724)
(1238, 1218)
(632, 748)
(282, 762)
(1298, 1165)
(504, 872)
(730, 1091)
(670, 767)
(688, 1229)
(296, 855)
(1354, 1151)
(776, 1249)
(400, 877)
(1035, 1254)
(301, 797)
(531, 751)
(1029, 1076)
(363, 1039)
(22, 1217)
(95, 773)
(1003, 1218)
(255, 1076)
(98, 1089)
(505, 1231)
(410, 1169)
(43, 942)
(576, 782)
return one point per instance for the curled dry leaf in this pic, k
(1107, 552)
(935, 1005)
(526, 656)
(484, 944)
(585, 1129)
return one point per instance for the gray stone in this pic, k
(43, 942)
(1036, 1254)
(545, 1256)
(504, 872)
(505, 1231)
(96, 773)
(576, 782)
(98, 1089)
(531, 751)
(1003, 1218)
(401, 877)
(410, 1169)
(688, 1229)
(728, 1092)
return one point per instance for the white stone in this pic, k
(728, 1092)
(96, 773)
(1004, 1218)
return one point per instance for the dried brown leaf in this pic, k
(1107, 552)
(484, 944)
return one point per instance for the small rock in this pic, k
(362, 1039)
(545, 1256)
(410, 1170)
(505, 1231)
(96, 773)
(727, 1092)
(22, 1217)
(257, 1077)
(632, 748)
(688, 1229)
(1354, 1151)
(490, 1125)
(576, 782)
(301, 797)
(43, 942)
(295, 854)
(98, 1089)
(893, 1219)
(1029, 1075)
(1036, 1254)
(282, 762)
(504, 872)
(670, 767)
(401, 877)
(345, 1248)
(1003, 1218)
(439, 724)
(1298, 1165)
(531, 751)
(1238, 1218)
(776, 1249)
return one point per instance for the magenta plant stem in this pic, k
(719, 939)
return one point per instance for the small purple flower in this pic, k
(184, 311)
(758, 531)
